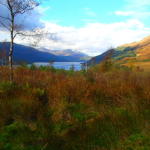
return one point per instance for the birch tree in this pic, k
(14, 8)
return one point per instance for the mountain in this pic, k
(30, 55)
(100, 58)
(70, 53)
(134, 54)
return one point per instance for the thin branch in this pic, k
(29, 35)
(5, 5)
(6, 18)
(10, 7)
(5, 26)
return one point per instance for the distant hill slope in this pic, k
(133, 54)
(30, 55)
(100, 58)
(70, 53)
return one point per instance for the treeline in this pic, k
(105, 108)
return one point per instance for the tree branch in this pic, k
(5, 5)
(6, 18)
(5, 26)
(29, 35)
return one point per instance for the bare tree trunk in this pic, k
(11, 60)
(14, 7)
(11, 49)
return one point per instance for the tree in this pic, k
(14, 8)
(51, 62)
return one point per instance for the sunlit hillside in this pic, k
(133, 55)
(139, 54)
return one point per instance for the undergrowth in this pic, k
(105, 108)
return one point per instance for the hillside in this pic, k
(68, 52)
(100, 58)
(30, 55)
(79, 56)
(133, 54)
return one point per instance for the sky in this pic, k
(78, 13)
(89, 26)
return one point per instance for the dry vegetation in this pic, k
(142, 54)
(106, 108)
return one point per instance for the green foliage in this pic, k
(104, 134)
(123, 54)
(81, 113)
(61, 127)
(23, 65)
(33, 67)
(137, 142)
(47, 68)
(105, 108)
(7, 88)
(128, 120)
(15, 137)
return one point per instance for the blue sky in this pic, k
(80, 12)
(89, 26)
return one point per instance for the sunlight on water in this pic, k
(62, 65)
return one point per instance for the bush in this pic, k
(137, 142)
(55, 109)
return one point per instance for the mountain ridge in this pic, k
(29, 54)
(136, 54)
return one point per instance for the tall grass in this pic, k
(105, 108)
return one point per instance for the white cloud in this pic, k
(138, 9)
(134, 14)
(124, 13)
(94, 38)
(4, 35)
(31, 20)
(27, 21)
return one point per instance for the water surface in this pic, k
(62, 65)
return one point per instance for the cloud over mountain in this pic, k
(94, 38)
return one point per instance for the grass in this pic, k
(105, 108)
